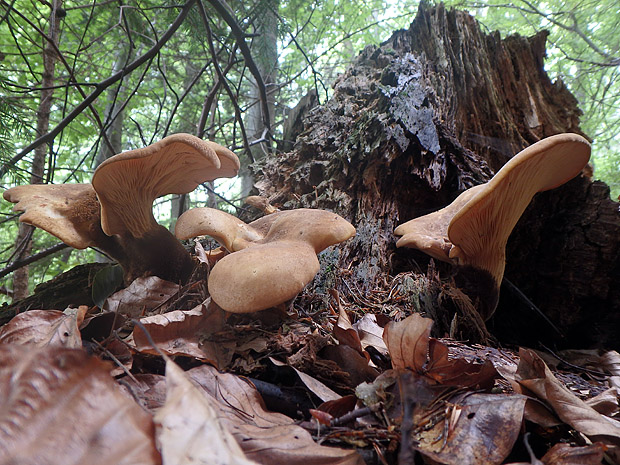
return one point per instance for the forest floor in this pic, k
(324, 380)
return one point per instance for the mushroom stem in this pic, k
(156, 253)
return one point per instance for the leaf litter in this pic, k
(350, 384)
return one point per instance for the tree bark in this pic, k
(434, 110)
(23, 242)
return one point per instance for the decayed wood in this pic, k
(434, 110)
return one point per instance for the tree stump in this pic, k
(434, 110)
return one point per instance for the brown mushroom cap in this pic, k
(261, 203)
(479, 231)
(128, 183)
(273, 257)
(229, 163)
(68, 211)
(232, 233)
(429, 233)
(260, 277)
(319, 228)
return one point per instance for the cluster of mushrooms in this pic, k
(269, 261)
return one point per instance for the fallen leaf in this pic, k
(266, 437)
(319, 389)
(477, 428)
(534, 374)
(370, 333)
(118, 352)
(188, 428)
(565, 454)
(407, 342)
(351, 362)
(141, 295)
(60, 406)
(44, 328)
(610, 361)
(377, 391)
(147, 389)
(458, 371)
(605, 403)
(175, 333)
(343, 331)
(339, 407)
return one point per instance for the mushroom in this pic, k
(272, 259)
(261, 203)
(472, 232)
(114, 213)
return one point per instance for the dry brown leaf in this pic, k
(147, 389)
(371, 333)
(319, 389)
(187, 333)
(175, 333)
(344, 332)
(350, 361)
(605, 403)
(188, 429)
(407, 342)
(610, 361)
(45, 328)
(536, 376)
(479, 429)
(60, 406)
(339, 407)
(118, 352)
(565, 454)
(141, 295)
(458, 371)
(266, 437)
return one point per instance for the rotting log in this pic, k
(436, 109)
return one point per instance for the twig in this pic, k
(576, 367)
(225, 12)
(357, 413)
(531, 304)
(32, 258)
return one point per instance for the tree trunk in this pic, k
(265, 53)
(436, 109)
(23, 242)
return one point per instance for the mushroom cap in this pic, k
(273, 257)
(229, 163)
(232, 233)
(262, 276)
(319, 228)
(68, 211)
(261, 203)
(128, 183)
(429, 233)
(480, 229)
